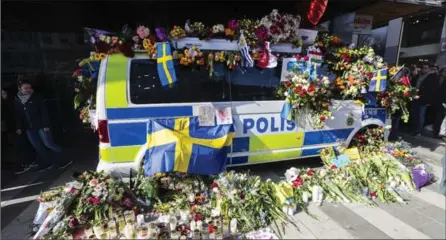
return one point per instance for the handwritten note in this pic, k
(206, 116)
(224, 116)
(341, 161)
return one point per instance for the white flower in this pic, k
(291, 174)
(96, 194)
(322, 173)
(102, 37)
(286, 94)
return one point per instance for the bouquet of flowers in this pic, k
(70, 192)
(249, 200)
(249, 28)
(47, 201)
(100, 193)
(399, 93)
(177, 32)
(369, 140)
(312, 96)
(402, 151)
(281, 27)
(192, 57)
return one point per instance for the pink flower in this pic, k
(142, 32)
(93, 200)
(115, 40)
(93, 182)
(233, 24)
(262, 33)
(128, 202)
(405, 81)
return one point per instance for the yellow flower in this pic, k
(102, 56)
(146, 43)
(97, 57)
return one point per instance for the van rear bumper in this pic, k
(118, 170)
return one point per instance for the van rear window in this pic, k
(193, 85)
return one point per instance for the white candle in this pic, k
(233, 226)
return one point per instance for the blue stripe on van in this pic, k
(311, 152)
(330, 136)
(305, 153)
(148, 112)
(127, 134)
(239, 160)
(241, 144)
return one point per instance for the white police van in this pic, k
(129, 94)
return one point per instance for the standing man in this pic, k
(32, 119)
(440, 100)
(426, 82)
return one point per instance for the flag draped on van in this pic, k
(166, 70)
(182, 145)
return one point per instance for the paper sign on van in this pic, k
(362, 24)
(224, 116)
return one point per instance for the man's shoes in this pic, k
(44, 168)
(65, 165)
(22, 169)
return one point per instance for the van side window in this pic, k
(253, 84)
(193, 85)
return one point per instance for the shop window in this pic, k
(253, 84)
(191, 86)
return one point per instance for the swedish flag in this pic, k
(379, 81)
(166, 70)
(287, 111)
(181, 145)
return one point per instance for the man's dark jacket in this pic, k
(31, 115)
(428, 88)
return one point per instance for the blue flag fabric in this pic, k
(379, 81)
(287, 111)
(182, 145)
(166, 70)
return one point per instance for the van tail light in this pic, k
(103, 131)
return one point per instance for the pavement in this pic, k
(422, 218)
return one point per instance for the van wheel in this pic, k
(369, 138)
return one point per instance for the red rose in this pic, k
(306, 58)
(322, 118)
(287, 83)
(198, 218)
(298, 57)
(214, 185)
(373, 194)
(298, 89)
(311, 88)
(407, 94)
(333, 167)
(310, 172)
(302, 94)
(370, 75)
(410, 159)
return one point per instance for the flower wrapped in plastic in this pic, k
(71, 191)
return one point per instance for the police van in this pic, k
(129, 94)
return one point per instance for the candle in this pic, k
(193, 225)
(233, 226)
(225, 227)
(172, 223)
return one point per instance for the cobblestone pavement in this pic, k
(422, 218)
